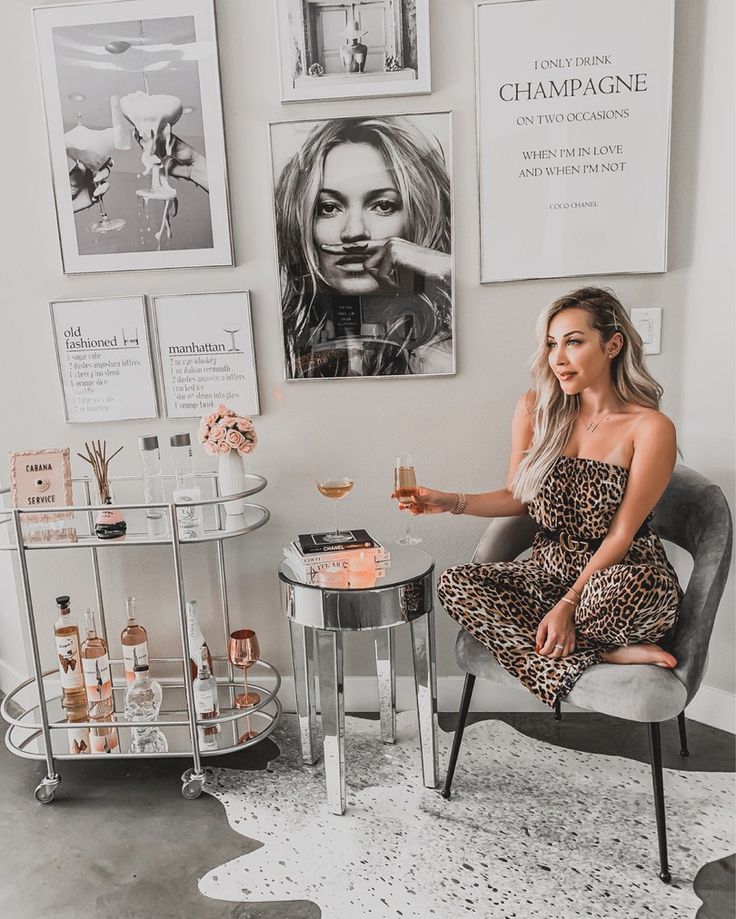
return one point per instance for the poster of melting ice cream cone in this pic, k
(134, 116)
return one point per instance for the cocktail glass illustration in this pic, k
(232, 333)
(92, 149)
(153, 117)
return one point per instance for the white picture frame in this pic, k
(340, 320)
(103, 354)
(206, 355)
(131, 93)
(312, 36)
(573, 129)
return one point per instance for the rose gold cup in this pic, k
(243, 652)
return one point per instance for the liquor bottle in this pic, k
(98, 680)
(195, 639)
(134, 640)
(96, 664)
(66, 632)
(143, 703)
(153, 484)
(205, 693)
(191, 519)
(78, 737)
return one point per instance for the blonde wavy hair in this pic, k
(554, 411)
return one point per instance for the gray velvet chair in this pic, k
(693, 514)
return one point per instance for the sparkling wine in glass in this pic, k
(405, 486)
(335, 488)
(243, 651)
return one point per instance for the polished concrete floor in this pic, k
(120, 840)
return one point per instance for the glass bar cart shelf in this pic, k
(40, 731)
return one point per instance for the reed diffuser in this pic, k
(109, 524)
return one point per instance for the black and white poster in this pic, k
(134, 117)
(206, 355)
(337, 49)
(104, 359)
(574, 101)
(363, 220)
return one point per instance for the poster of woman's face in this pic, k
(338, 49)
(363, 219)
(134, 116)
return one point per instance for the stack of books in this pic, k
(309, 553)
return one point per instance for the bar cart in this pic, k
(38, 729)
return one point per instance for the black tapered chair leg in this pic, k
(461, 719)
(558, 710)
(655, 751)
(683, 734)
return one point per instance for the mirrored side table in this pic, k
(318, 616)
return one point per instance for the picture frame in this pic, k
(132, 100)
(206, 354)
(573, 146)
(375, 300)
(103, 354)
(43, 479)
(348, 49)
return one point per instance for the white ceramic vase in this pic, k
(231, 480)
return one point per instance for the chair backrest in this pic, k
(693, 514)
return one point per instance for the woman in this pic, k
(590, 457)
(363, 224)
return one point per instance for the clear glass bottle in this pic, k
(134, 641)
(196, 639)
(191, 519)
(153, 484)
(143, 703)
(205, 694)
(98, 682)
(68, 651)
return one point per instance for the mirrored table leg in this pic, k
(425, 680)
(385, 671)
(302, 654)
(332, 701)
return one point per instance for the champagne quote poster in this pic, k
(574, 100)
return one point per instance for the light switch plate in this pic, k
(648, 323)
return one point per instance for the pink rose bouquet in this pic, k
(223, 431)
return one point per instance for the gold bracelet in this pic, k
(568, 600)
(462, 500)
(572, 590)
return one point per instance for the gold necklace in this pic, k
(592, 425)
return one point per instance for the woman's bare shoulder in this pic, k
(527, 402)
(651, 423)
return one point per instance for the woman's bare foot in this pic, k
(640, 654)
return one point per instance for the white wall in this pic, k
(456, 427)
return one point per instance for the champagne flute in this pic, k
(243, 651)
(335, 488)
(405, 487)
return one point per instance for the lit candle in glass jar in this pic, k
(334, 576)
(362, 570)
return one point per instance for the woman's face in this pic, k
(576, 351)
(358, 209)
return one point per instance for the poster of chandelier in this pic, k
(134, 118)
(573, 107)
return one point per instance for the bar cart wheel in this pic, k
(192, 789)
(46, 789)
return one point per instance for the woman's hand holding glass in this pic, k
(428, 501)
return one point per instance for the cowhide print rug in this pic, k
(532, 830)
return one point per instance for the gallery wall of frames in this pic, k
(343, 217)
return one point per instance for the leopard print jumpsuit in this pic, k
(501, 604)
